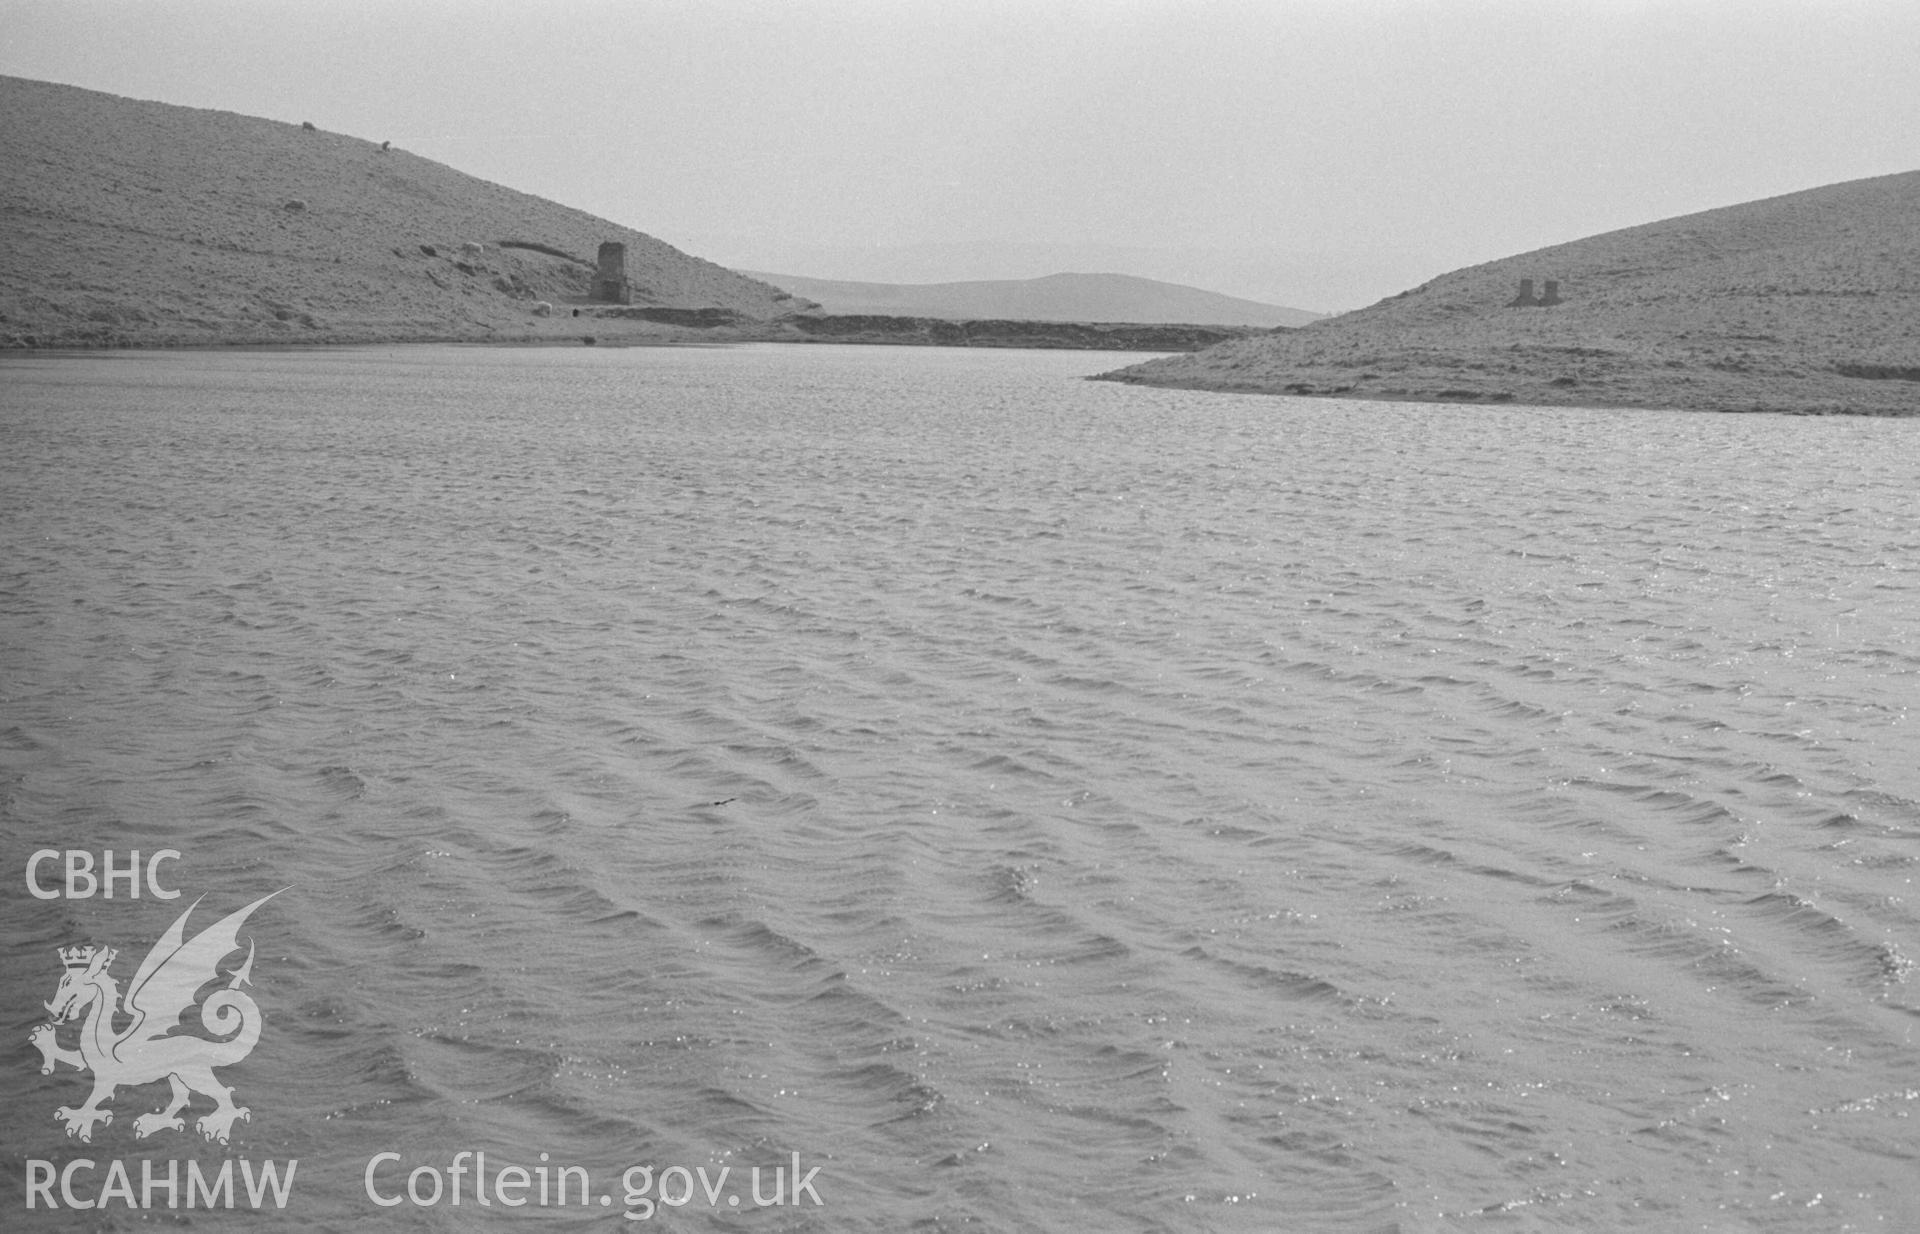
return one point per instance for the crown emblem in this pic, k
(82, 957)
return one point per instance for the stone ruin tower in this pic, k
(610, 284)
(1526, 298)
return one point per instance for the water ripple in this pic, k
(1045, 805)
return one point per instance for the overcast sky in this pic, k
(1319, 154)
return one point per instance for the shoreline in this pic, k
(621, 326)
(1901, 401)
(1785, 381)
(1504, 400)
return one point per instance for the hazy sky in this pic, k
(1318, 154)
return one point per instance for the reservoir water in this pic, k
(1034, 804)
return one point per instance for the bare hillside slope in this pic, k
(1808, 302)
(133, 223)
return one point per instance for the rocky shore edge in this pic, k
(1620, 378)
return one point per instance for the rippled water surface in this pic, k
(1039, 804)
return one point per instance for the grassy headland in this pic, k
(1808, 303)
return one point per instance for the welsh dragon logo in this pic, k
(146, 1048)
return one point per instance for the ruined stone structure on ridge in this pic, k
(610, 284)
(1526, 298)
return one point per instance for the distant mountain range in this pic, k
(1056, 297)
(1808, 302)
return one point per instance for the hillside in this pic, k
(1808, 302)
(133, 223)
(1057, 297)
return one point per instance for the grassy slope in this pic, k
(1056, 297)
(1755, 307)
(126, 222)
